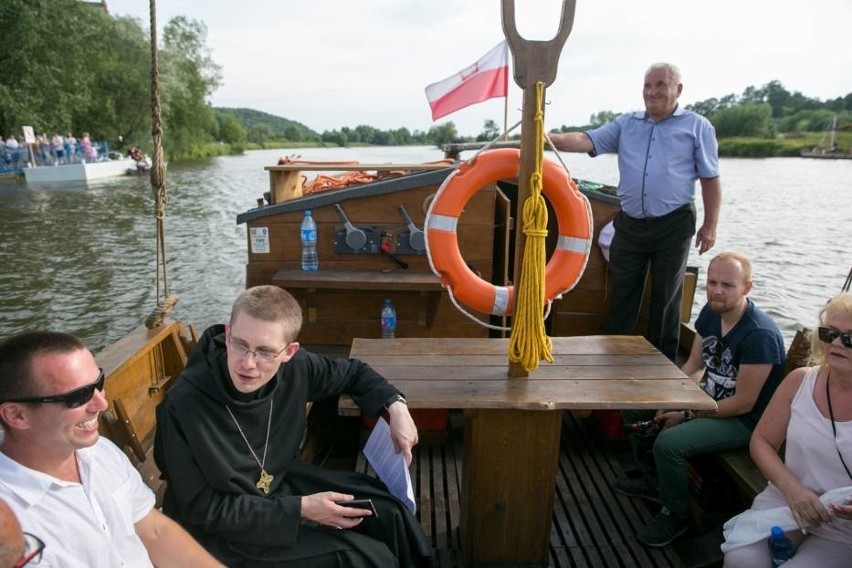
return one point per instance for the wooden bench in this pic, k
(140, 368)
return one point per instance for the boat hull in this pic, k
(77, 172)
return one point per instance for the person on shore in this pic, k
(661, 152)
(811, 414)
(75, 489)
(737, 357)
(57, 148)
(228, 437)
(90, 153)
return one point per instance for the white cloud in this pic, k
(335, 63)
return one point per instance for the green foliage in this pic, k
(490, 131)
(443, 134)
(70, 66)
(602, 117)
(262, 127)
(230, 129)
(748, 119)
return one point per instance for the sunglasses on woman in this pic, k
(73, 399)
(828, 335)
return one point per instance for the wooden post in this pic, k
(534, 62)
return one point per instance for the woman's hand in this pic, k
(323, 508)
(808, 511)
(842, 510)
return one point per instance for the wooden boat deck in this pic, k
(592, 526)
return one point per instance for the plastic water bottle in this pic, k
(781, 549)
(388, 320)
(310, 260)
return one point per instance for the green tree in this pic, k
(749, 119)
(443, 134)
(292, 134)
(230, 129)
(259, 133)
(490, 131)
(189, 76)
(602, 117)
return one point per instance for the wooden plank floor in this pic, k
(592, 525)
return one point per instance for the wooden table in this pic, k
(511, 447)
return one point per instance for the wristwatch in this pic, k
(395, 398)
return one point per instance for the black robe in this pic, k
(211, 473)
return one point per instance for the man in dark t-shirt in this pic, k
(737, 357)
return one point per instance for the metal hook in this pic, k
(536, 61)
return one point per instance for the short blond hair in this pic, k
(745, 263)
(270, 303)
(840, 304)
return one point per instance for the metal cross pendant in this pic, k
(264, 482)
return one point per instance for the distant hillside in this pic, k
(261, 127)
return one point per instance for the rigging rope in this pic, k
(165, 302)
(528, 343)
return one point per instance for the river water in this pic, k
(81, 257)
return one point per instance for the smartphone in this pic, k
(360, 504)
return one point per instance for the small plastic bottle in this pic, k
(781, 549)
(388, 320)
(310, 260)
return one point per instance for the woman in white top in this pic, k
(812, 411)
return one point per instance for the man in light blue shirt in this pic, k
(661, 152)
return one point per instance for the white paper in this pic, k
(389, 465)
(259, 240)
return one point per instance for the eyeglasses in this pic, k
(73, 399)
(260, 355)
(828, 335)
(32, 551)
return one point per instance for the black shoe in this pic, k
(662, 530)
(636, 488)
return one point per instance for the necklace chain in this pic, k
(260, 462)
(833, 427)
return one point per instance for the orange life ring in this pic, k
(573, 214)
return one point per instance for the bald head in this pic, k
(11, 537)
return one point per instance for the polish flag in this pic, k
(485, 79)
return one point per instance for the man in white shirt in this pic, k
(76, 490)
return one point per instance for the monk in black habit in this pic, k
(228, 436)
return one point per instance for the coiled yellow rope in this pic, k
(528, 343)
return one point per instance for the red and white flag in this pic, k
(485, 79)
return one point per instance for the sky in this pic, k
(335, 63)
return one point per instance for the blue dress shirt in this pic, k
(658, 162)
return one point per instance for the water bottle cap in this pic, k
(777, 531)
(387, 300)
(307, 212)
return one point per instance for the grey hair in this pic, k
(671, 67)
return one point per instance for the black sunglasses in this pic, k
(75, 398)
(828, 335)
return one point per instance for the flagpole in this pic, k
(506, 100)
(506, 116)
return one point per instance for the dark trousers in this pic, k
(661, 243)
